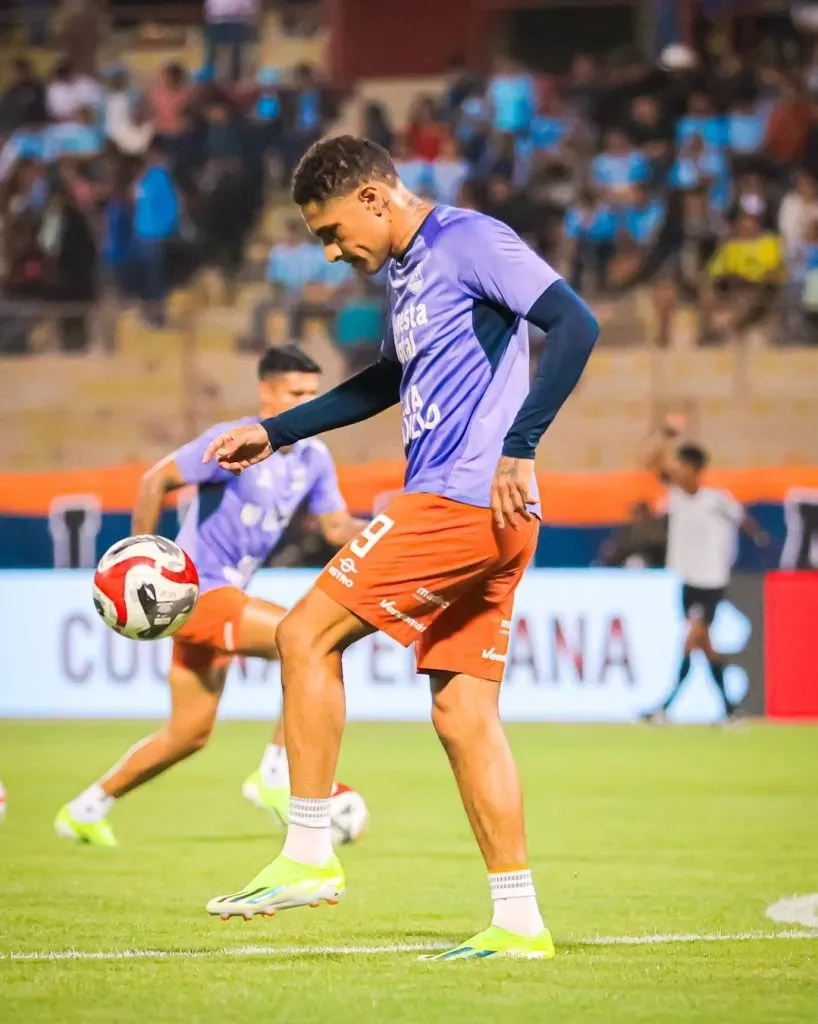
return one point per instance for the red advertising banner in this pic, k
(791, 655)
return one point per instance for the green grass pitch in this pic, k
(633, 832)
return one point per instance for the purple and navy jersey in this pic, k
(234, 522)
(457, 300)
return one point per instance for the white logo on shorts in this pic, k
(348, 565)
(389, 606)
(426, 595)
(342, 578)
(492, 655)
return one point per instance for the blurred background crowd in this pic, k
(662, 154)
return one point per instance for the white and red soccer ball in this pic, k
(348, 814)
(145, 587)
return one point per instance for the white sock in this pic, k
(274, 769)
(309, 835)
(92, 805)
(515, 903)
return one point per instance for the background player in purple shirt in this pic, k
(229, 529)
(440, 566)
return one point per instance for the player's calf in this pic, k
(466, 717)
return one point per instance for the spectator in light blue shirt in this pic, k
(295, 262)
(268, 104)
(80, 137)
(642, 218)
(303, 282)
(448, 173)
(746, 128)
(590, 230)
(701, 120)
(267, 110)
(416, 174)
(512, 94)
(696, 167)
(619, 166)
(155, 224)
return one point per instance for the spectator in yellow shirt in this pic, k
(741, 281)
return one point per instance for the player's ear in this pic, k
(371, 197)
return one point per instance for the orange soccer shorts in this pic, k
(439, 574)
(207, 640)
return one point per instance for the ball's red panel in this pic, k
(112, 583)
(187, 575)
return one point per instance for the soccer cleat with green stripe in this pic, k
(275, 799)
(283, 885)
(496, 943)
(92, 833)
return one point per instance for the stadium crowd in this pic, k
(697, 176)
(108, 184)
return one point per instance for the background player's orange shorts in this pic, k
(437, 573)
(207, 640)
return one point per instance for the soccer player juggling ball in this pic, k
(439, 567)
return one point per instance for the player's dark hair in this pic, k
(692, 455)
(287, 359)
(336, 167)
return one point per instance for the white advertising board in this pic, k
(587, 645)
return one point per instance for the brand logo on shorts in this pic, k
(348, 566)
(389, 606)
(342, 577)
(426, 595)
(505, 626)
(491, 654)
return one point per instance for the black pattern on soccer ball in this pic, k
(166, 612)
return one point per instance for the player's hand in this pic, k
(511, 491)
(236, 449)
(763, 539)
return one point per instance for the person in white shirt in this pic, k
(703, 526)
(130, 134)
(68, 92)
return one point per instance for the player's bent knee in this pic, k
(191, 738)
(294, 636)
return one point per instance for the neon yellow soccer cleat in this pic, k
(275, 799)
(283, 885)
(93, 833)
(497, 943)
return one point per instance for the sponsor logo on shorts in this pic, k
(348, 566)
(426, 595)
(342, 577)
(389, 606)
(490, 654)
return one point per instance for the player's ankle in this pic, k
(92, 805)
(515, 902)
(309, 831)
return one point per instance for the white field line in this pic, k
(237, 952)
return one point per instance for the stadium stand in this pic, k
(682, 202)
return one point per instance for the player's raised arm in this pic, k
(162, 478)
(180, 468)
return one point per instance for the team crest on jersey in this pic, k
(415, 282)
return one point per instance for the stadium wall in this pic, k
(593, 645)
(70, 518)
